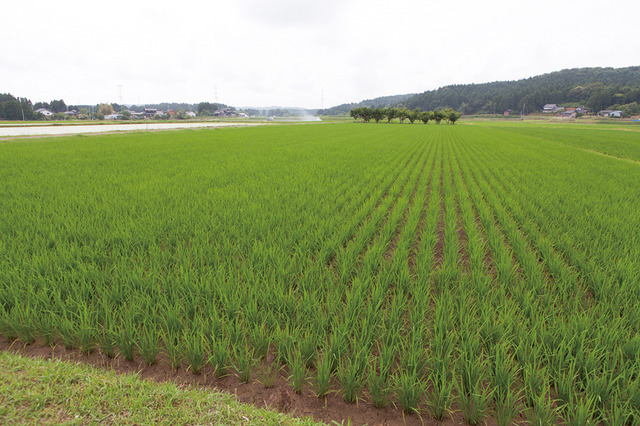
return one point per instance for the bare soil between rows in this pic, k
(280, 397)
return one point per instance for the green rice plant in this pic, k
(244, 363)
(534, 381)
(350, 372)
(308, 348)
(601, 389)
(323, 375)
(194, 350)
(24, 323)
(579, 413)
(268, 375)
(565, 385)
(220, 357)
(46, 329)
(632, 397)
(284, 344)
(542, 411)
(260, 341)
(507, 408)
(441, 390)
(621, 415)
(172, 348)
(378, 386)
(6, 325)
(86, 333)
(66, 332)
(474, 407)
(409, 390)
(631, 350)
(504, 372)
(149, 344)
(298, 371)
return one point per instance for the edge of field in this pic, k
(52, 391)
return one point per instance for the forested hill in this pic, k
(595, 88)
(382, 102)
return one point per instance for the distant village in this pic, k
(148, 113)
(571, 112)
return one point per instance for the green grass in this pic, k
(35, 391)
(489, 268)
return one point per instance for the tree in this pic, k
(366, 114)
(391, 113)
(451, 115)
(403, 114)
(125, 115)
(438, 116)
(206, 108)
(377, 114)
(425, 116)
(58, 106)
(413, 115)
(105, 109)
(11, 110)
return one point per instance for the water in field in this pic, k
(63, 130)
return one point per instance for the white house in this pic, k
(610, 113)
(551, 108)
(44, 112)
(190, 114)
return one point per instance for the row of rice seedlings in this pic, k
(450, 270)
(428, 238)
(377, 191)
(559, 385)
(442, 367)
(564, 279)
(374, 255)
(607, 242)
(553, 219)
(347, 260)
(594, 276)
(506, 270)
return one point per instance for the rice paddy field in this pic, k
(473, 273)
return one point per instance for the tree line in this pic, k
(366, 114)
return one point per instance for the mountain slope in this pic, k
(595, 88)
(383, 101)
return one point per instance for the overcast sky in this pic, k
(298, 53)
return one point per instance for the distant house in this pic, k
(582, 110)
(507, 112)
(136, 115)
(226, 112)
(171, 113)
(114, 116)
(551, 109)
(569, 114)
(611, 113)
(72, 113)
(150, 112)
(44, 112)
(190, 114)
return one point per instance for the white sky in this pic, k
(291, 52)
